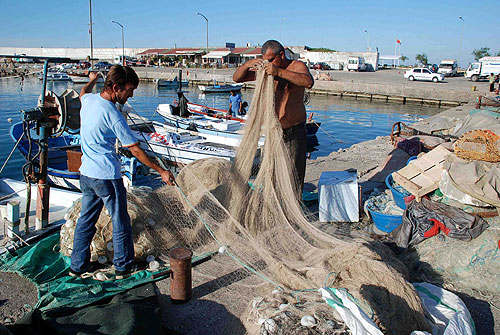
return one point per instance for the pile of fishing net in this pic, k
(260, 229)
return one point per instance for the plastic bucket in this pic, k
(399, 197)
(384, 222)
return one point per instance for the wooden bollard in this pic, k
(180, 277)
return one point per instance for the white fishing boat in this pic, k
(219, 88)
(180, 148)
(56, 76)
(170, 83)
(83, 78)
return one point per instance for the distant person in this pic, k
(100, 178)
(244, 106)
(235, 104)
(291, 78)
(492, 82)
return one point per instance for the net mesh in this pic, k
(261, 230)
(478, 145)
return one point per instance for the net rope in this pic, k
(261, 229)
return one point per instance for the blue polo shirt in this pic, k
(101, 125)
(235, 102)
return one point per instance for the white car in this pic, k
(423, 74)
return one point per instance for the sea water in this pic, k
(343, 121)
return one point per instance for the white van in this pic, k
(448, 67)
(356, 64)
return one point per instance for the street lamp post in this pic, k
(281, 29)
(368, 48)
(460, 44)
(123, 42)
(207, 27)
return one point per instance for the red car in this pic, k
(321, 66)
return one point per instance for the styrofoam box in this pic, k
(338, 196)
(226, 125)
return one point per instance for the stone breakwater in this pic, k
(385, 85)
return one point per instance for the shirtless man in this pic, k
(290, 80)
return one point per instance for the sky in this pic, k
(430, 27)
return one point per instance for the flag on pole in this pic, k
(398, 41)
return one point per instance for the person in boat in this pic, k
(291, 78)
(235, 104)
(100, 178)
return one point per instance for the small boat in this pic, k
(179, 148)
(311, 125)
(170, 83)
(83, 78)
(219, 88)
(64, 151)
(56, 76)
(214, 129)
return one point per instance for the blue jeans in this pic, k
(113, 195)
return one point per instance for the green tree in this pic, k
(498, 53)
(480, 53)
(321, 50)
(403, 58)
(422, 59)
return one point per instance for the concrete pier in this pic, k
(383, 85)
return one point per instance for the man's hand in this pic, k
(271, 69)
(167, 177)
(94, 75)
(254, 64)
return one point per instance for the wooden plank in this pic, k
(422, 175)
(406, 183)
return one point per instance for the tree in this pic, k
(480, 53)
(403, 58)
(321, 50)
(422, 58)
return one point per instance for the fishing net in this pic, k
(478, 145)
(261, 232)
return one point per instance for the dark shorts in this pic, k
(295, 141)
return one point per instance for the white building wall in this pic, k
(338, 59)
(73, 53)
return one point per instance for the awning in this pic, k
(217, 54)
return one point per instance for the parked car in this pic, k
(83, 65)
(432, 67)
(102, 65)
(423, 73)
(321, 66)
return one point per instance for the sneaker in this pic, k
(133, 269)
(94, 266)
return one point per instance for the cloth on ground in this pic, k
(135, 311)
(479, 179)
(411, 146)
(477, 121)
(420, 217)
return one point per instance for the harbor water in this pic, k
(344, 122)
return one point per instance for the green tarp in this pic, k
(44, 266)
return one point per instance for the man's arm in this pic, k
(246, 72)
(88, 87)
(298, 74)
(166, 175)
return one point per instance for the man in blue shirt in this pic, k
(100, 178)
(234, 104)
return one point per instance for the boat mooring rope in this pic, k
(11, 152)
